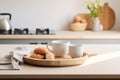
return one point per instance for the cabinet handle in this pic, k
(34, 43)
(44, 43)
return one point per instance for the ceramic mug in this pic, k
(59, 47)
(76, 50)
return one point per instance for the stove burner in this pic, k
(45, 31)
(5, 31)
(37, 31)
(21, 31)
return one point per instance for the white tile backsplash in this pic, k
(55, 14)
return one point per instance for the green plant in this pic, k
(94, 6)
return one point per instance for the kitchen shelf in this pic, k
(107, 34)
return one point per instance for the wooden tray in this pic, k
(58, 62)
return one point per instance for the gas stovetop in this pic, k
(38, 31)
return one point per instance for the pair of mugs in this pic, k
(61, 48)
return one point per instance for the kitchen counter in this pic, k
(105, 65)
(110, 34)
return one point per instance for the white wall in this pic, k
(48, 13)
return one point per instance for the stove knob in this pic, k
(44, 43)
(34, 43)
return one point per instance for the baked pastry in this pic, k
(41, 51)
(50, 56)
(37, 56)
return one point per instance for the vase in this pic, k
(96, 24)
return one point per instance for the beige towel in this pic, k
(14, 58)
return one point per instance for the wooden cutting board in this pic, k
(87, 17)
(107, 18)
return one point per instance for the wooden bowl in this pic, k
(77, 26)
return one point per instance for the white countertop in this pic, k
(106, 64)
(108, 34)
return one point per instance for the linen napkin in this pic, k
(14, 58)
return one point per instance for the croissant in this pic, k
(37, 56)
(41, 51)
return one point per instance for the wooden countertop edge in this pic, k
(109, 34)
(50, 37)
(61, 76)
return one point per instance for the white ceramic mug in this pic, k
(76, 50)
(59, 47)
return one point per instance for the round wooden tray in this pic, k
(58, 62)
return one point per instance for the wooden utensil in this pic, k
(88, 18)
(107, 17)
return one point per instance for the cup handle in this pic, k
(49, 45)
